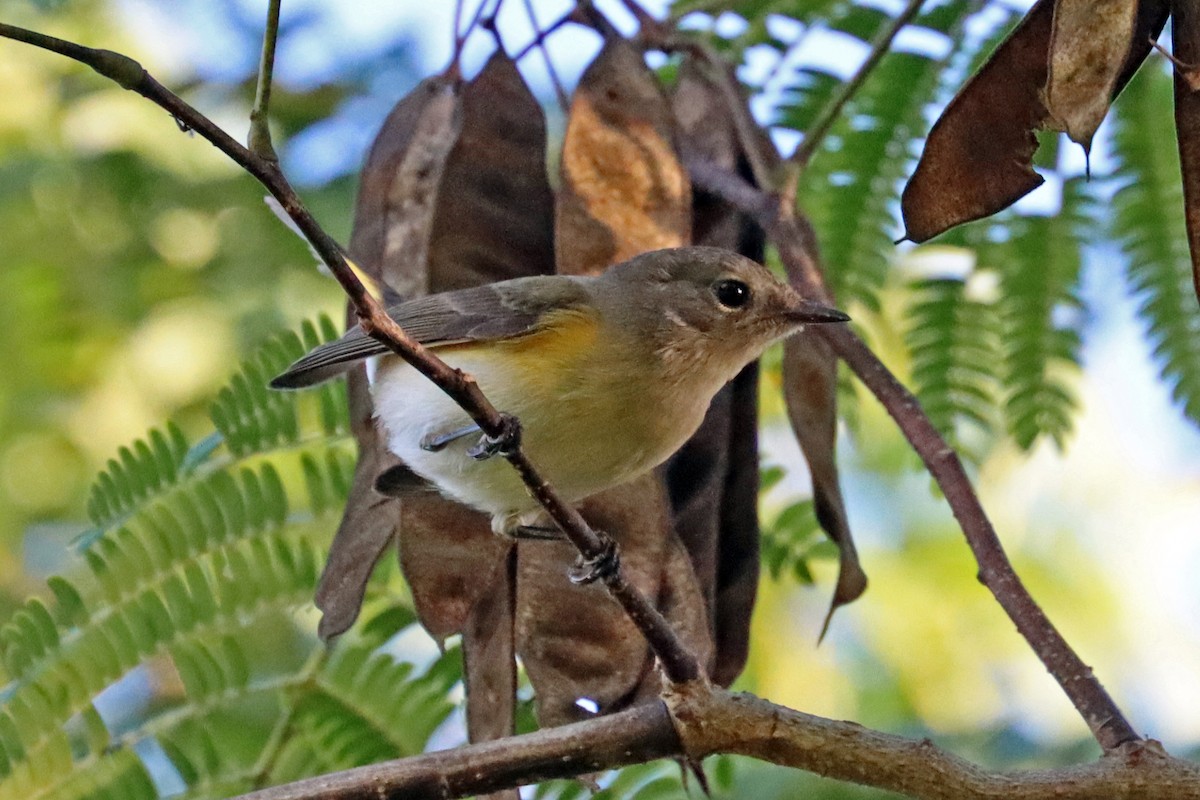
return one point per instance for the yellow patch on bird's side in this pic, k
(559, 341)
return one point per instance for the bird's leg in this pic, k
(506, 442)
(599, 567)
(434, 442)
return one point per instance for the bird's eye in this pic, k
(731, 293)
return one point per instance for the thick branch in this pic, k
(797, 247)
(643, 733)
(723, 722)
(678, 663)
(711, 721)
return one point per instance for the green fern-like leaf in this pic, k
(375, 684)
(953, 341)
(252, 417)
(200, 570)
(1149, 225)
(790, 540)
(657, 780)
(1043, 317)
(852, 188)
(757, 15)
(123, 777)
(205, 591)
(364, 706)
(138, 471)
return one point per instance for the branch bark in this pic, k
(642, 733)
(698, 721)
(797, 248)
(678, 663)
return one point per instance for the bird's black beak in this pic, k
(808, 312)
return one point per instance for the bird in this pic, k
(607, 374)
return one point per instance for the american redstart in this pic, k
(609, 375)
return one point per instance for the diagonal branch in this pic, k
(879, 48)
(678, 663)
(797, 248)
(793, 236)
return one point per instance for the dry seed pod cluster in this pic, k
(457, 177)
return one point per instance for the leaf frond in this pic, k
(1148, 223)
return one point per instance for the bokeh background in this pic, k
(139, 267)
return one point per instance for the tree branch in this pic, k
(678, 662)
(460, 37)
(793, 236)
(642, 733)
(698, 721)
(540, 38)
(717, 721)
(797, 248)
(879, 48)
(259, 139)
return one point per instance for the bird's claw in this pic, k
(506, 443)
(599, 567)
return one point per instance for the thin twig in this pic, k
(641, 15)
(793, 237)
(260, 129)
(570, 16)
(564, 102)
(817, 131)
(678, 663)
(460, 37)
(794, 240)
(458, 9)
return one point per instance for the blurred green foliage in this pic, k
(139, 265)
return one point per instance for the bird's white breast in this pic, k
(586, 426)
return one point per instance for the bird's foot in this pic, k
(506, 443)
(600, 566)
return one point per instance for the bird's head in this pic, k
(708, 306)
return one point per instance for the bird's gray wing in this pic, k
(496, 311)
